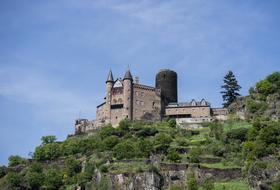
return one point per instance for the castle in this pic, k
(128, 99)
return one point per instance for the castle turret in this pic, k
(127, 92)
(109, 86)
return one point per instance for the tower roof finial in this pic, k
(110, 77)
(128, 75)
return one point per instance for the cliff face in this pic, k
(264, 173)
(170, 175)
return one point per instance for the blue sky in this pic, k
(55, 55)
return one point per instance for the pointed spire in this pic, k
(110, 77)
(128, 75)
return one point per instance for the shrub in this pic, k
(16, 160)
(264, 88)
(216, 130)
(217, 148)
(14, 179)
(144, 147)
(72, 166)
(173, 156)
(191, 181)
(3, 171)
(276, 186)
(71, 147)
(124, 150)
(237, 134)
(172, 123)
(86, 176)
(35, 179)
(194, 155)
(208, 184)
(106, 131)
(53, 179)
(124, 125)
(110, 142)
(270, 134)
(162, 142)
(147, 131)
(175, 188)
(104, 169)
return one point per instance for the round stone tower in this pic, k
(127, 94)
(166, 81)
(109, 86)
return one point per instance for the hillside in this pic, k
(235, 155)
(154, 156)
(263, 100)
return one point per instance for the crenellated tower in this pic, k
(109, 86)
(127, 94)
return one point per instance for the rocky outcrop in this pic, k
(263, 174)
(167, 176)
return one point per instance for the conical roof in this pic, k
(110, 77)
(128, 75)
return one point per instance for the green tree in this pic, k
(48, 139)
(230, 89)
(47, 152)
(264, 88)
(16, 160)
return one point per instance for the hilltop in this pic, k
(239, 154)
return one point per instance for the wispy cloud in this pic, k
(49, 96)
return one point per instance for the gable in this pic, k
(117, 84)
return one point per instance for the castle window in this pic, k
(142, 103)
(142, 94)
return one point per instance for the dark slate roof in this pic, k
(143, 86)
(110, 77)
(128, 75)
(192, 103)
(101, 105)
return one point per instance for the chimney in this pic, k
(136, 80)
